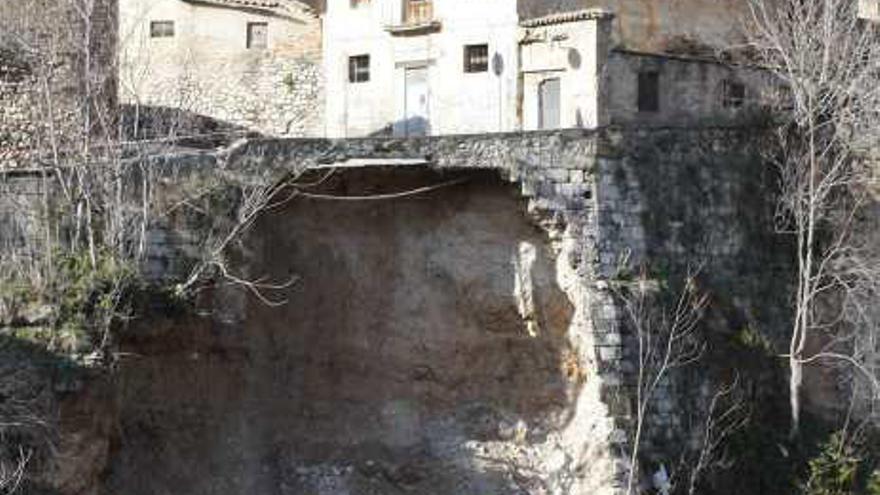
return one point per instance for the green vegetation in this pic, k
(72, 309)
(90, 298)
(750, 339)
(289, 82)
(833, 471)
(873, 487)
(844, 465)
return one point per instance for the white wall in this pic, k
(571, 52)
(459, 102)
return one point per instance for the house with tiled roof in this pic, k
(350, 68)
(195, 66)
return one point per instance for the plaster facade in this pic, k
(202, 63)
(456, 101)
(571, 49)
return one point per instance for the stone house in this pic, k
(248, 64)
(415, 67)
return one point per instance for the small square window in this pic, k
(649, 92)
(476, 58)
(357, 3)
(733, 94)
(359, 69)
(161, 29)
(257, 35)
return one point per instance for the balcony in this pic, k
(417, 18)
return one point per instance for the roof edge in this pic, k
(283, 8)
(563, 17)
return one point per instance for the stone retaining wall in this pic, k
(17, 125)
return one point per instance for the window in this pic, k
(733, 94)
(359, 69)
(257, 35)
(418, 11)
(476, 58)
(357, 3)
(161, 29)
(649, 92)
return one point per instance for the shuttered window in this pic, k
(733, 94)
(476, 58)
(649, 92)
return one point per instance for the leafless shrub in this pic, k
(666, 337)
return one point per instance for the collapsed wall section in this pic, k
(457, 332)
(437, 341)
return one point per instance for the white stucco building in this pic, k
(562, 58)
(413, 67)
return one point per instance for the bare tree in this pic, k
(11, 476)
(97, 207)
(726, 414)
(827, 60)
(666, 338)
